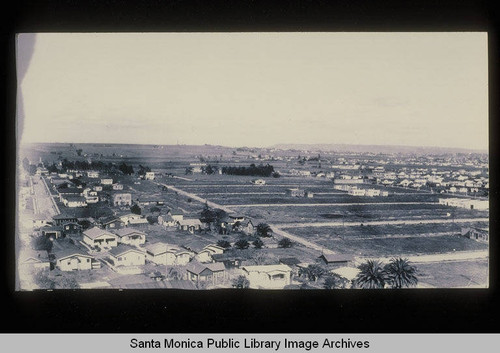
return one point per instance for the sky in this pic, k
(254, 89)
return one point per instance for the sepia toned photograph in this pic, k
(198, 161)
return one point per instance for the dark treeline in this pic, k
(94, 165)
(260, 170)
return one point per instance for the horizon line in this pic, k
(482, 150)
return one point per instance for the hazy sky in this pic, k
(256, 89)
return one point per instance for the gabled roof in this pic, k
(126, 231)
(96, 232)
(190, 222)
(197, 268)
(157, 248)
(336, 257)
(109, 219)
(176, 212)
(267, 268)
(197, 245)
(122, 249)
(63, 216)
(38, 255)
(70, 251)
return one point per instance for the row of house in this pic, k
(471, 204)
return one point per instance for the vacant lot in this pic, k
(452, 274)
(397, 246)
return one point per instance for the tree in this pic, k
(276, 175)
(189, 170)
(400, 274)
(333, 280)
(264, 230)
(258, 244)
(371, 275)
(154, 209)
(241, 244)
(207, 215)
(285, 243)
(135, 209)
(42, 243)
(224, 244)
(241, 282)
(312, 272)
(152, 219)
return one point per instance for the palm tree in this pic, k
(400, 274)
(371, 275)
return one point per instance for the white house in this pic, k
(189, 225)
(73, 259)
(259, 182)
(149, 176)
(122, 199)
(130, 236)
(268, 276)
(166, 254)
(356, 192)
(117, 186)
(74, 201)
(33, 259)
(124, 255)
(107, 181)
(100, 237)
(92, 174)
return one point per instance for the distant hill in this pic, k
(375, 148)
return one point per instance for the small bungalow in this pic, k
(54, 232)
(295, 192)
(176, 215)
(92, 174)
(259, 182)
(121, 199)
(203, 250)
(166, 254)
(478, 234)
(149, 176)
(124, 255)
(111, 222)
(268, 276)
(106, 181)
(71, 228)
(34, 259)
(229, 260)
(336, 259)
(100, 237)
(166, 221)
(61, 219)
(74, 201)
(130, 236)
(189, 225)
(117, 186)
(73, 259)
(213, 273)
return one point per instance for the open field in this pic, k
(454, 274)
(380, 231)
(399, 246)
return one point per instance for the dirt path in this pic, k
(321, 250)
(367, 223)
(196, 197)
(331, 204)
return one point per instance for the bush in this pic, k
(224, 244)
(241, 244)
(241, 282)
(285, 243)
(257, 243)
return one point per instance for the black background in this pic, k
(231, 311)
